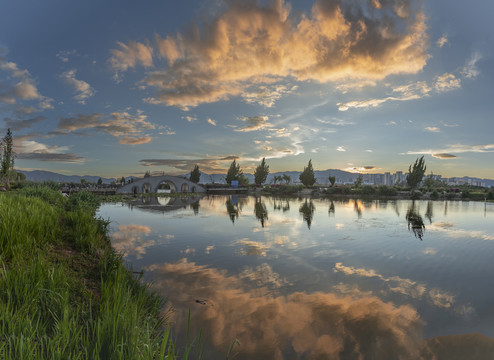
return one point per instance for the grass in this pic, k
(65, 294)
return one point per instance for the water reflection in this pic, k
(358, 206)
(281, 204)
(415, 221)
(299, 325)
(429, 212)
(232, 208)
(331, 210)
(260, 211)
(307, 210)
(346, 289)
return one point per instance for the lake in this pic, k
(318, 278)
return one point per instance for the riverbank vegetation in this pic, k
(64, 293)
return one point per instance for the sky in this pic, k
(119, 87)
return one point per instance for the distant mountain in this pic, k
(41, 175)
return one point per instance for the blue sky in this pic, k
(116, 88)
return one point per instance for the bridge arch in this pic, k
(165, 185)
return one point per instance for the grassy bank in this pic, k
(64, 293)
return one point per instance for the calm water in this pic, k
(302, 278)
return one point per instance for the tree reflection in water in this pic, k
(195, 207)
(307, 210)
(331, 209)
(429, 212)
(415, 221)
(232, 208)
(281, 204)
(260, 211)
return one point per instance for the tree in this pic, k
(416, 173)
(287, 178)
(195, 174)
(7, 164)
(100, 181)
(307, 177)
(332, 180)
(234, 172)
(358, 182)
(429, 181)
(147, 174)
(261, 173)
(122, 180)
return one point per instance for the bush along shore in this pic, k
(64, 292)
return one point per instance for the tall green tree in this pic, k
(332, 180)
(286, 179)
(416, 172)
(195, 174)
(234, 172)
(261, 173)
(307, 177)
(7, 163)
(358, 181)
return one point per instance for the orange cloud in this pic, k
(249, 44)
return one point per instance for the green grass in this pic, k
(65, 294)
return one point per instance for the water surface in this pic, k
(309, 278)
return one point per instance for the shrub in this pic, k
(387, 190)
(434, 195)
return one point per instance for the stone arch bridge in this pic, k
(151, 184)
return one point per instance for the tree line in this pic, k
(416, 172)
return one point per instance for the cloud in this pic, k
(432, 129)
(16, 125)
(33, 150)
(455, 149)
(211, 121)
(254, 123)
(412, 91)
(131, 55)
(127, 140)
(340, 148)
(83, 89)
(21, 86)
(64, 55)
(470, 70)
(444, 156)
(251, 44)
(443, 40)
(446, 82)
(116, 124)
(267, 95)
(313, 325)
(190, 118)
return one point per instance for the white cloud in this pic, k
(254, 123)
(83, 89)
(340, 148)
(470, 70)
(455, 149)
(443, 40)
(211, 121)
(432, 129)
(446, 82)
